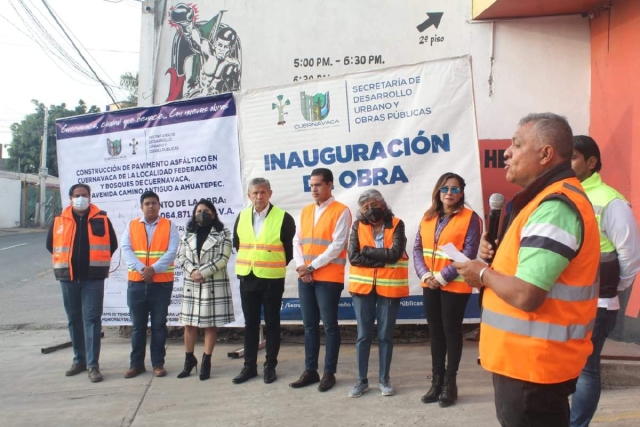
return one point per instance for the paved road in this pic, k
(30, 293)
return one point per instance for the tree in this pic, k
(27, 136)
(129, 82)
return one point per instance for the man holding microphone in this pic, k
(541, 290)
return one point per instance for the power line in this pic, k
(62, 57)
(79, 53)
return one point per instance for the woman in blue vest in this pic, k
(206, 297)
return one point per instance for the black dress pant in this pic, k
(445, 313)
(261, 295)
(525, 404)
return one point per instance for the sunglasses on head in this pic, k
(454, 190)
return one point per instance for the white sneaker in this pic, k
(386, 388)
(362, 386)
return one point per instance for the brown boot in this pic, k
(134, 371)
(307, 377)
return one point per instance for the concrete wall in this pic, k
(9, 202)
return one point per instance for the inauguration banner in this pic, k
(183, 151)
(397, 130)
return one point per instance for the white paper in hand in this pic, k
(453, 253)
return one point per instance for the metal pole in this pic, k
(43, 174)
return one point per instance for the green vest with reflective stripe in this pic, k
(264, 255)
(600, 195)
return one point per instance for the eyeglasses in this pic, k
(454, 190)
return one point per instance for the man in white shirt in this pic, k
(263, 236)
(320, 253)
(619, 264)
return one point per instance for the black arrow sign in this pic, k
(434, 19)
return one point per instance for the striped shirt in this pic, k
(548, 242)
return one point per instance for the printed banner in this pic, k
(183, 151)
(396, 130)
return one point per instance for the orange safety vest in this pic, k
(64, 233)
(392, 280)
(148, 254)
(454, 232)
(317, 238)
(551, 344)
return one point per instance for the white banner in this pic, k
(396, 130)
(184, 151)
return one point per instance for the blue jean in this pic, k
(148, 300)
(319, 300)
(83, 303)
(585, 400)
(370, 308)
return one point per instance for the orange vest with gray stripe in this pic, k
(148, 254)
(550, 344)
(454, 232)
(64, 233)
(264, 255)
(317, 238)
(392, 280)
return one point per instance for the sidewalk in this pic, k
(35, 392)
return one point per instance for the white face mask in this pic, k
(80, 203)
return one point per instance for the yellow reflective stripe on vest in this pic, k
(361, 279)
(541, 330)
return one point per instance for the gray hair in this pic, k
(551, 129)
(372, 194)
(258, 181)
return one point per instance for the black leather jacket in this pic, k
(377, 257)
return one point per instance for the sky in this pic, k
(107, 32)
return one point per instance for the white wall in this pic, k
(540, 64)
(9, 202)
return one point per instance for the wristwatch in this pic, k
(310, 268)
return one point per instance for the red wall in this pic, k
(615, 104)
(492, 171)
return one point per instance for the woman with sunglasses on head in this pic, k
(445, 293)
(206, 298)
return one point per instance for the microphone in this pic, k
(496, 203)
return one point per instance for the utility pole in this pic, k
(43, 175)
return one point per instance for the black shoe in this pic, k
(449, 393)
(205, 367)
(436, 389)
(76, 368)
(327, 382)
(245, 375)
(190, 362)
(307, 377)
(269, 375)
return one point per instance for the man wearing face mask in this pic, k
(82, 241)
(149, 247)
(263, 236)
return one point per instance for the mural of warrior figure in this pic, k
(213, 50)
